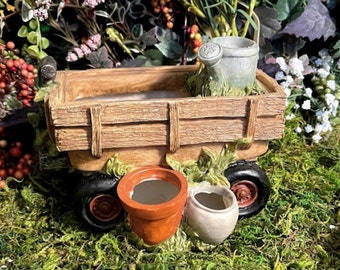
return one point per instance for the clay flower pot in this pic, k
(211, 212)
(154, 198)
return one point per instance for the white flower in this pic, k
(334, 107)
(323, 73)
(282, 63)
(329, 98)
(287, 91)
(298, 130)
(290, 116)
(306, 105)
(319, 114)
(296, 67)
(309, 92)
(296, 106)
(316, 138)
(331, 85)
(279, 76)
(308, 128)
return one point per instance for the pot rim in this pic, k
(210, 189)
(237, 46)
(149, 211)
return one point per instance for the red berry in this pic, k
(18, 174)
(30, 81)
(15, 152)
(2, 184)
(30, 68)
(10, 45)
(3, 173)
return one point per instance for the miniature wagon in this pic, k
(92, 115)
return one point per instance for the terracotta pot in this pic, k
(154, 198)
(211, 212)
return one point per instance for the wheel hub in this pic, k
(245, 192)
(105, 207)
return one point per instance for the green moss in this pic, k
(298, 229)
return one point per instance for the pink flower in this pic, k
(94, 42)
(86, 50)
(71, 57)
(79, 52)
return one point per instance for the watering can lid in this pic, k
(210, 53)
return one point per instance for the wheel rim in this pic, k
(245, 192)
(105, 207)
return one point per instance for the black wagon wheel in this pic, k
(251, 186)
(97, 203)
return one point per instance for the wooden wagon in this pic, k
(91, 127)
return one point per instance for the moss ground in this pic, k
(298, 229)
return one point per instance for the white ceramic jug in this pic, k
(211, 212)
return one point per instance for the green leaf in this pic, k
(289, 10)
(23, 31)
(34, 51)
(26, 11)
(102, 13)
(248, 18)
(33, 24)
(337, 49)
(44, 43)
(170, 49)
(11, 102)
(32, 37)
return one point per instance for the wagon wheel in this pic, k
(250, 184)
(97, 203)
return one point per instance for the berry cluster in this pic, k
(195, 38)
(164, 7)
(15, 160)
(16, 76)
(322, 85)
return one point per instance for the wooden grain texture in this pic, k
(96, 126)
(145, 156)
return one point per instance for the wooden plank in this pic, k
(157, 110)
(157, 134)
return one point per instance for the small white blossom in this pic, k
(308, 128)
(298, 130)
(309, 92)
(306, 105)
(331, 85)
(329, 98)
(323, 73)
(296, 67)
(316, 138)
(332, 227)
(290, 116)
(282, 63)
(279, 76)
(296, 106)
(334, 107)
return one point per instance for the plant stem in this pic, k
(250, 12)
(233, 27)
